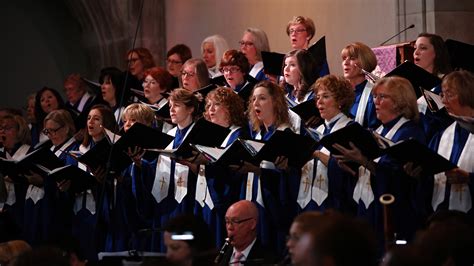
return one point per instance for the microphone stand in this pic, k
(405, 29)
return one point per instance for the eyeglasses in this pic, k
(149, 82)
(189, 74)
(132, 60)
(173, 62)
(380, 96)
(50, 131)
(297, 31)
(242, 43)
(448, 96)
(235, 221)
(7, 128)
(230, 69)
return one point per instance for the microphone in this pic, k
(405, 29)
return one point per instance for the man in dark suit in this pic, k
(241, 225)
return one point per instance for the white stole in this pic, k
(83, 101)
(202, 190)
(460, 196)
(364, 99)
(317, 188)
(256, 68)
(10, 187)
(250, 176)
(90, 202)
(363, 189)
(162, 180)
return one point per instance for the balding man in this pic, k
(241, 224)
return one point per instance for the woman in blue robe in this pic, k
(57, 214)
(266, 185)
(15, 139)
(453, 189)
(395, 102)
(321, 184)
(90, 207)
(216, 186)
(355, 57)
(172, 183)
(253, 42)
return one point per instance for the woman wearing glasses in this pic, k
(235, 67)
(453, 190)
(175, 57)
(55, 213)
(15, 141)
(253, 42)
(396, 108)
(300, 30)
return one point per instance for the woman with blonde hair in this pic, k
(213, 47)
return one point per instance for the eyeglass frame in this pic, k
(233, 222)
(297, 31)
(47, 131)
(247, 44)
(231, 70)
(189, 74)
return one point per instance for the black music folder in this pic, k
(413, 151)
(144, 137)
(273, 63)
(203, 133)
(98, 156)
(307, 110)
(297, 148)
(80, 179)
(318, 51)
(461, 54)
(43, 156)
(417, 76)
(369, 143)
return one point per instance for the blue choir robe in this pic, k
(296, 122)
(58, 205)
(85, 211)
(321, 187)
(257, 71)
(389, 177)
(215, 192)
(173, 187)
(269, 191)
(433, 122)
(455, 144)
(363, 108)
(13, 207)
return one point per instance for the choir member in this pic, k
(212, 48)
(175, 58)
(111, 84)
(395, 103)
(139, 60)
(322, 185)
(265, 184)
(156, 85)
(432, 55)
(253, 42)
(300, 30)
(85, 226)
(46, 100)
(15, 140)
(355, 57)
(453, 189)
(235, 67)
